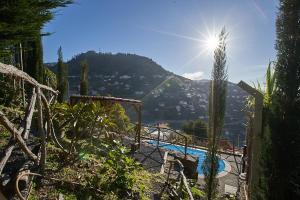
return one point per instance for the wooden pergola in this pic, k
(136, 104)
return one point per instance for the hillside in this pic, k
(167, 97)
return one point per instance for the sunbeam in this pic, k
(176, 35)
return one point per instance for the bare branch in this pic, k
(17, 134)
(13, 71)
(26, 123)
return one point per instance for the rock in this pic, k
(60, 196)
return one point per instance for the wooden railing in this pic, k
(20, 134)
(162, 136)
(173, 191)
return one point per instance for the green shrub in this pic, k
(117, 172)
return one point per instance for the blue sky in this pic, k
(171, 32)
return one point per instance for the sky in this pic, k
(173, 33)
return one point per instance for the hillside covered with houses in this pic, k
(166, 97)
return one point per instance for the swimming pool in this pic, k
(191, 151)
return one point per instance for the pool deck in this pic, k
(228, 179)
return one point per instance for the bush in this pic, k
(197, 128)
(116, 175)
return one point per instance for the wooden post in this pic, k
(22, 68)
(139, 125)
(249, 148)
(41, 129)
(158, 135)
(244, 156)
(256, 138)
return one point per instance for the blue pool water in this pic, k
(191, 151)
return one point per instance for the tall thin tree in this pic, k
(285, 121)
(33, 58)
(217, 100)
(84, 78)
(62, 77)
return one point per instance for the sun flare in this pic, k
(211, 42)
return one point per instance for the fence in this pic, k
(165, 136)
(20, 134)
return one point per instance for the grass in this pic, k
(4, 137)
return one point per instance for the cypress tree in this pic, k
(84, 78)
(62, 78)
(33, 59)
(217, 100)
(285, 120)
(21, 22)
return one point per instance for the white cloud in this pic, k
(194, 76)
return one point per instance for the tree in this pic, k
(84, 78)
(21, 22)
(217, 100)
(33, 59)
(197, 128)
(62, 77)
(284, 121)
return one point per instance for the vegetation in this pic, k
(86, 159)
(4, 137)
(20, 32)
(216, 117)
(197, 128)
(84, 78)
(50, 78)
(265, 157)
(280, 173)
(285, 113)
(62, 78)
(22, 20)
(21, 24)
(90, 120)
(110, 175)
(100, 164)
(10, 92)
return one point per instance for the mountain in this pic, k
(166, 97)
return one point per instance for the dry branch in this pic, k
(7, 152)
(41, 129)
(25, 127)
(50, 127)
(13, 71)
(26, 123)
(26, 173)
(17, 135)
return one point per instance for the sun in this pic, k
(211, 42)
